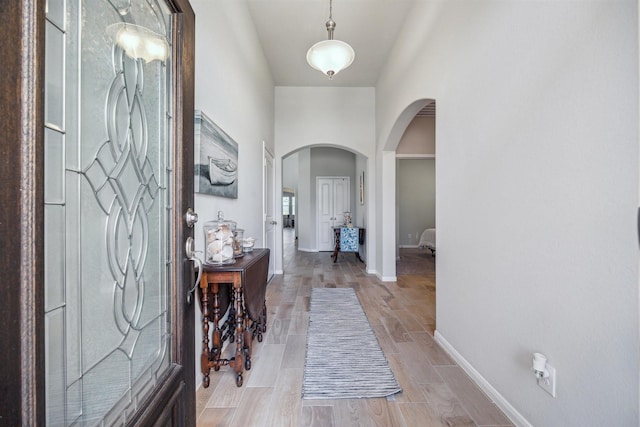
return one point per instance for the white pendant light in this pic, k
(330, 56)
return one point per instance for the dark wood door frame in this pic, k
(22, 214)
(22, 362)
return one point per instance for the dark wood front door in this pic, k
(96, 165)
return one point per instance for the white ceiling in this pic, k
(288, 28)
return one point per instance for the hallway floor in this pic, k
(436, 392)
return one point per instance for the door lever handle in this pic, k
(190, 252)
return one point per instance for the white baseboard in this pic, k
(386, 278)
(307, 250)
(502, 403)
(409, 246)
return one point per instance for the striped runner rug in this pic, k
(344, 359)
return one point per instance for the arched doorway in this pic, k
(300, 171)
(415, 199)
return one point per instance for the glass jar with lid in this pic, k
(219, 241)
(238, 237)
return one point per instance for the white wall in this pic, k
(290, 180)
(306, 235)
(290, 172)
(385, 247)
(235, 89)
(537, 189)
(360, 216)
(308, 116)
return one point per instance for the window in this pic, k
(285, 205)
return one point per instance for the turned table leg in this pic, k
(248, 340)
(204, 358)
(262, 324)
(336, 248)
(216, 340)
(238, 363)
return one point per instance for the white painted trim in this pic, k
(279, 272)
(409, 246)
(386, 278)
(308, 250)
(415, 156)
(268, 157)
(516, 417)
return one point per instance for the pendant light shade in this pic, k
(330, 56)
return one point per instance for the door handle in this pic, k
(273, 222)
(190, 252)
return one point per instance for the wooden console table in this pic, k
(241, 288)
(336, 249)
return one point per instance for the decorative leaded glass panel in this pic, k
(108, 319)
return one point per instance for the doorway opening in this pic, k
(302, 173)
(416, 203)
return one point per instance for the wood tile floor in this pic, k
(436, 392)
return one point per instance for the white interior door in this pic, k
(269, 208)
(333, 199)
